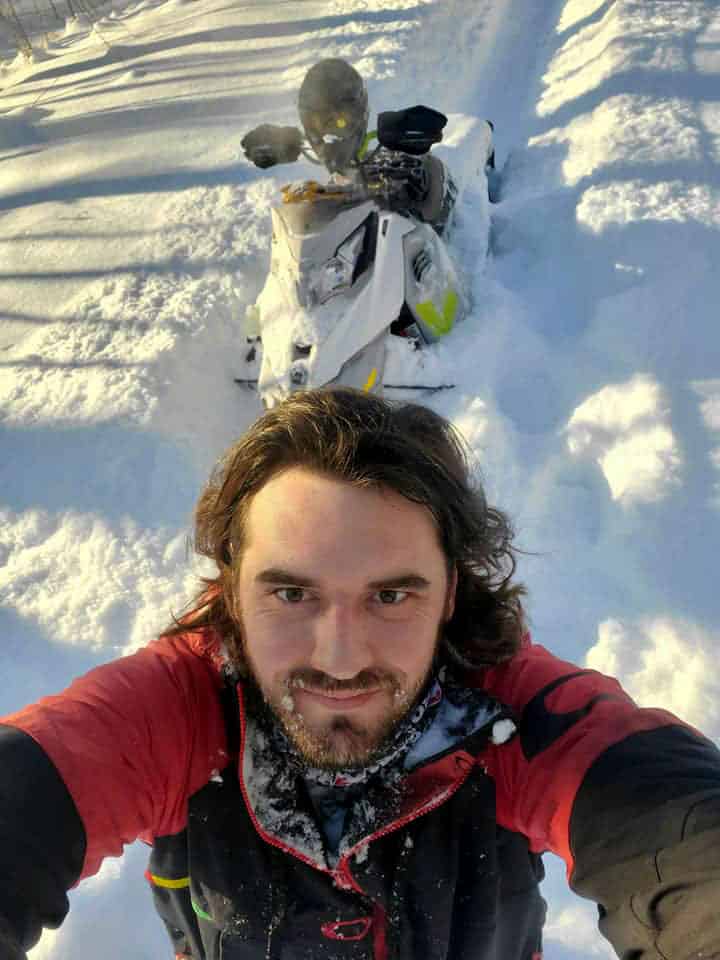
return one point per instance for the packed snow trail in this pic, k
(134, 234)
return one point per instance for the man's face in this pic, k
(342, 593)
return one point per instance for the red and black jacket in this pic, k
(144, 747)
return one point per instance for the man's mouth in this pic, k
(342, 699)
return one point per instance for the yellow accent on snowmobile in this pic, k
(365, 145)
(370, 382)
(168, 883)
(309, 192)
(439, 323)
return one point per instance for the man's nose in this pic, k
(340, 647)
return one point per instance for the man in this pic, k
(334, 112)
(349, 747)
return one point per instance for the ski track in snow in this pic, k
(134, 235)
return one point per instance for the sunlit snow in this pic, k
(586, 376)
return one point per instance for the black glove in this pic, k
(9, 947)
(269, 144)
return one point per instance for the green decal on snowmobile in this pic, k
(365, 145)
(200, 912)
(439, 323)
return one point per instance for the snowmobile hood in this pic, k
(313, 231)
(320, 338)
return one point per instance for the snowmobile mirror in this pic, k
(269, 144)
(413, 130)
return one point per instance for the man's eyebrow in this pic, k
(401, 581)
(277, 575)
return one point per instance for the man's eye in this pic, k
(290, 594)
(391, 597)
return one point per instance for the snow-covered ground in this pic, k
(133, 234)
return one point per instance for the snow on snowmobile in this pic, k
(356, 261)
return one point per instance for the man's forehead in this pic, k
(300, 519)
(300, 489)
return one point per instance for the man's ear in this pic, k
(450, 596)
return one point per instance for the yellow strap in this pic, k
(170, 884)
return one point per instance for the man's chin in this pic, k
(340, 746)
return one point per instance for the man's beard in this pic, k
(343, 742)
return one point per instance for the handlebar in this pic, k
(393, 178)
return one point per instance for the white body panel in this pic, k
(338, 330)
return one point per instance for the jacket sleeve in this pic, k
(113, 758)
(42, 843)
(629, 797)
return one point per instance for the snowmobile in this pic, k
(353, 263)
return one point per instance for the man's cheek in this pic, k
(276, 656)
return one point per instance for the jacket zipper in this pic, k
(380, 951)
(344, 864)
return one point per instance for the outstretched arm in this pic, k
(111, 759)
(629, 797)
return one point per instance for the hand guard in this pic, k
(269, 144)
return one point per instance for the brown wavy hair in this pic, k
(367, 441)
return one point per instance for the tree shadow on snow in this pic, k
(169, 181)
(220, 35)
(176, 266)
(107, 470)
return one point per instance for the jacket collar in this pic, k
(465, 721)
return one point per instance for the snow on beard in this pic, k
(343, 741)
